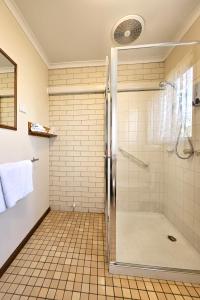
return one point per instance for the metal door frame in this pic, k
(120, 267)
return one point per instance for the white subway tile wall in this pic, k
(76, 156)
(141, 72)
(139, 188)
(77, 76)
(96, 75)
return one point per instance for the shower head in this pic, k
(164, 84)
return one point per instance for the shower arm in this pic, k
(133, 158)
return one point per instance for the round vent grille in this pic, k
(128, 29)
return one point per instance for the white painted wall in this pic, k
(15, 223)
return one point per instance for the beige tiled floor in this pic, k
(64, 259)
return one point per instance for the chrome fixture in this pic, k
(190, 152)
(136, 160)
(164, 84)
(196, 101)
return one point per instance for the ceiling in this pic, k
(80, 30)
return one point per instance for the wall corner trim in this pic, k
(26, 28)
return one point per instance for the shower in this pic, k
(188, 153)
(164, 84)
(150, 193)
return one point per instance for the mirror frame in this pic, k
(15, 92)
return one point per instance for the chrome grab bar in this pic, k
(133, 158)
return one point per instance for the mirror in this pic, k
(8, 92)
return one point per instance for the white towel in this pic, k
(2, 201)
(16, 180)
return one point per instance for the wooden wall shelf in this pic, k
(38, 133)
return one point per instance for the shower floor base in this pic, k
(142, 238)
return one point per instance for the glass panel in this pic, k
(7, 92)
(158, 142)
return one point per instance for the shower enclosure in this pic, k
(152, 157)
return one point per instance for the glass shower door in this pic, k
(139, 181)
(154, 142)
